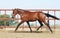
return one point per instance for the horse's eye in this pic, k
(13, 12)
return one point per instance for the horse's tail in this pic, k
(48, 15)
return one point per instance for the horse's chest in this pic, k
(24, 17)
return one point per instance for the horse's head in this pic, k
(15, 12)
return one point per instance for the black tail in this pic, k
(48, 15)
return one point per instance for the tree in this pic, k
(8, 22)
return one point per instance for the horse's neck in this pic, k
(21, 13)
(24, 10)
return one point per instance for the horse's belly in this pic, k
(33, 18)
(30, 19)
(24, 18)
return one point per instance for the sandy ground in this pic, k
(27, 34)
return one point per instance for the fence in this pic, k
(47, 10)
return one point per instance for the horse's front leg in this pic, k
(19, 25)
(29, 26)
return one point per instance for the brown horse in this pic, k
(27, 16)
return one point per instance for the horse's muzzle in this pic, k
(12, 16)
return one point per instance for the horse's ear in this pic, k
(14, 9)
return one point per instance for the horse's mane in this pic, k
(23, 10)
(28, 10)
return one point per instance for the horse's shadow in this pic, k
(28, 32)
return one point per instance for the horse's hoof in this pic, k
(31, 31)
(41, 31)
(15, 31)
(36, 30)
(52, 32)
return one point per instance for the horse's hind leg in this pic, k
(29, 26)
(49, 27)
(18, 25)
(41, 24)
